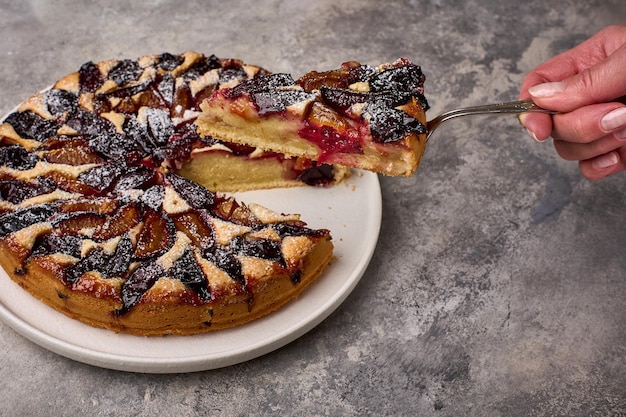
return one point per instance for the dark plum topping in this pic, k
(296, 229)
(50, 243)
(90, 124)
(119, 262)
(226, 261)
(157, 235)
(115, 146)
(403, 78)
(278, 100)
(342, 100)
(201, 67)
(169, 62)
(317, 175)
(31, 126)
(137, 137)
(194, 194)
(125, 71)
(153, 197)
(16, 157)
(160, 126)
(259, 248)
(128, 91)
(391, 125)
(95, 260)
(60, 101)
(187, 271)
(15, 191)
(180, 144)
(232, 73)
(349, 73)
(138, 178)
(89, 78)
(104, 176)
(19, 219)
(140, 281)
(260, 84)
(166, 86)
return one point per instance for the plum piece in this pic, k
(349, 73)
(138, 178)
(19, 219)
(124, 219)
(156, 237)
(153, 197)
(90, 124)
(260, 248)
(403, 78)
(296, 229)
(96, 260)
(317, 175)
(74, 223)
(137, 138)
(196, 227)
(89, 77)
(119, 262)
(30, 125)
(160, 126)
(391, 125)
(343, 100)
(50, 243)
(276, 101)
(16, 157)
(187, 270)
(166, 86)
(67, 182)
(169, 62)
(194, 194)
(260, 84)
(226, 260)
(60, 101)
(15, 191)
(125, 71)
(201, 66)
(103, 177)
(73, 153)
(140, 281)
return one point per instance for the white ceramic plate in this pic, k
(352, 211)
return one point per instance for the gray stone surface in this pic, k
(498, 287)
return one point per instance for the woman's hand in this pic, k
(587, 85)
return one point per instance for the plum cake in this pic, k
(112, 183)
(102, 219)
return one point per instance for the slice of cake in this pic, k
(356, 116)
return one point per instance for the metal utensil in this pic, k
(522, 106)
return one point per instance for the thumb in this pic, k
(600, 83)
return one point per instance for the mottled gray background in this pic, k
(498, 284)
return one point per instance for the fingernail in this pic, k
(614, 119)
(522, 120)
(605, 161)
(621, 134)
(532, 135)
(547, 89)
